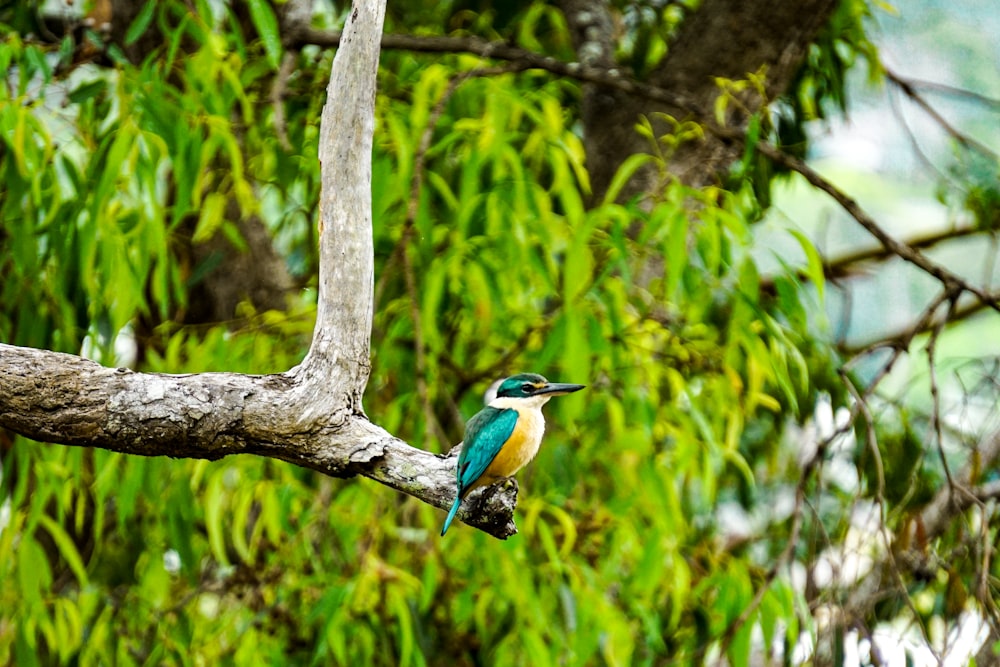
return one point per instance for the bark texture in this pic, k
(722, 38)
(65, 399)
(312, 415)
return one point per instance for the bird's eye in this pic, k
(528, 388)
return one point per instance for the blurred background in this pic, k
(787, 450)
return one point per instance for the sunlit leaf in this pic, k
(814, 262)
(67, 549)
(215, 512)
(266, 24)
(141, 22)
(625, 172)
(211, 218)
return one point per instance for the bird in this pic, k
(504, 436)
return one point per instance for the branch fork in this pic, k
(312, 415)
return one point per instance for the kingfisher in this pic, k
(504, 436)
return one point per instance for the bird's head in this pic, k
(534, 386)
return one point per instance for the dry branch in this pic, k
(310, 416)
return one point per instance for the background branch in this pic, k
(618, 79)
(853, 263)
(902, 338)
(964, 139)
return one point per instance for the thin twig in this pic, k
(946, 89)
(879, 500)
(846, 265)
(409, 231)
(278, 88)
(861, 400)
(892, 245)
(782, 560)
(957, 135)
(936, 514)
(897, 109)
(987, 600)
(935, 393)
(904, 337)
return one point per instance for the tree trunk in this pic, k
(722, 38)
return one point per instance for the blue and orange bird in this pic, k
(504, 436)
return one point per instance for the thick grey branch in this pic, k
(340, 348)
(62, 398)
(310, 416)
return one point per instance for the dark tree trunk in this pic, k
(723, 38)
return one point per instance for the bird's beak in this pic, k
(559, 388)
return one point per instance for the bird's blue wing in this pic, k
(485, 434)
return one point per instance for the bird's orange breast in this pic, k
(520, 448)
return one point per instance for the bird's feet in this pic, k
(499, 496)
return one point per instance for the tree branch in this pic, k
(953, 500)
(521, 59)
(721, 38)
(952, 91)
(847, 265)
(66, 399)
(964, 139)
(310, 416)
(902, 338)
(340, 347)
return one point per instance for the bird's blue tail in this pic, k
(451, 515)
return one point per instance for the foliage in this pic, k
(701, 374)
(972, 187)
(818, 91)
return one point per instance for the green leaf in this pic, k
(214, 512)
(266, 24)
(68, 625)
(578, 269)
(739, 649)
(25, 651)
(140, 23)
(36, 57)
(676, 252)
(66, 548)
(33, 570)
(625, 172)
(753, 136)
(401, 610)
(211, 217)
(88, 90)
(721, 104)
(814, 262)
(240, 517)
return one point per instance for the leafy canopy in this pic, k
(497, 262)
